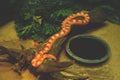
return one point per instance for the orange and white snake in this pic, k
(80, 18)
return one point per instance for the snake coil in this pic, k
(80, 18)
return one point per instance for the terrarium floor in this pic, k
(107, 71)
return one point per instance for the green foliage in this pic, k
(53, 12)
(59, 15)
(27, 27)
(27, 30)
(49, 29)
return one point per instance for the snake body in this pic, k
(80, 18)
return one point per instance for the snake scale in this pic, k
(80, 18)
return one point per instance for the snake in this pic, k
(79, 18)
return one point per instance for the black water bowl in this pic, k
(88, 49)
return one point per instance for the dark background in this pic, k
(8, 10)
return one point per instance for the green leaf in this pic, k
(59, 15)
(28, 16)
